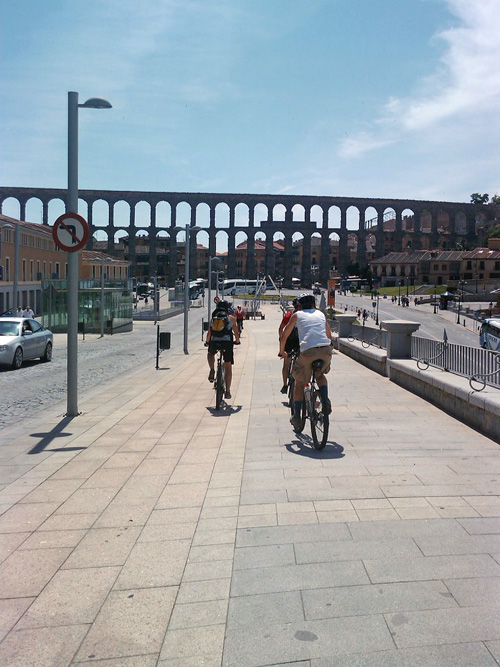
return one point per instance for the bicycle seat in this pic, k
(317, 364)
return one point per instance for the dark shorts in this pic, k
(226, 347)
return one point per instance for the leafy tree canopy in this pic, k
(477, 198)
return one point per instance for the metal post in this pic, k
(17, 244)
(101, 313)
(72, 278)
(209, 287)
(186, 290)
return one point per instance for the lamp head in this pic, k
(96, 103)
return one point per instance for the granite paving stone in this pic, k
(253, 646)
(71, 597)
(452, 655)
(431, 567)
(360, 600)
(42, 646)
(103, 547)
(423, 628)
(130, 623)
(26, 572)
(154, 564)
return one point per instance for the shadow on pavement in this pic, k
(225, 411)
(303, 446)
(47, 438)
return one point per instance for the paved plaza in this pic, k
(153, 530)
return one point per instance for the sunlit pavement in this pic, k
(154, 530)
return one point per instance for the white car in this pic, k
(23, 338)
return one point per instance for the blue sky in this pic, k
(367, 98)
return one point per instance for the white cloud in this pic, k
(466, 82)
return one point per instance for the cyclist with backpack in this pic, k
(315, 339)
(222, 334)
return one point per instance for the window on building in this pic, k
(444, 267)
(44, 270)
(24, 270)
(469, 266)
(481, 265)
(436, 267)
(7, 268)
(32, 267)
(58, 268)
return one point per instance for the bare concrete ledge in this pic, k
(451, 393)
(372, 357)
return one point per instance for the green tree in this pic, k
(477, 198)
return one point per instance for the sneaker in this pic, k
(211, 376)
(284, 389)
(327, 406)
(296, 423)
(227, 394)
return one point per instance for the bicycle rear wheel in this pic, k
(320, 422)
(219, 386)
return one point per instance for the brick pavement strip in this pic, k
(152, 530)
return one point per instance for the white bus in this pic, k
(235, 286)
(489, 335)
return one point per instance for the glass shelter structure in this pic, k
(109, 303)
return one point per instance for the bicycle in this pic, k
(313, 409)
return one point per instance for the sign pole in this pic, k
(72, 298)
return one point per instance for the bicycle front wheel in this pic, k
(320, 422)
(219, 387)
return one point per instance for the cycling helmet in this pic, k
(307, 300)
(224, 305)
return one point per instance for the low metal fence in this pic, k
(369, 336)
(481, 367)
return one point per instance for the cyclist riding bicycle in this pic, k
(315, 339)
(222, 335)
(291, 345)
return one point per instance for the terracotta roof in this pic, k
(96, 256)
(32, 226)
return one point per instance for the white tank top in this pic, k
(311, 325)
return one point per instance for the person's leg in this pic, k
(298, 397)
(229, 376)
(211, 365)
(284, 373)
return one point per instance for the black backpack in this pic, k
(220, 325)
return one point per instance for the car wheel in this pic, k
(18, 359)
(47, 355)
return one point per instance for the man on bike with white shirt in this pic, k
(315, 340)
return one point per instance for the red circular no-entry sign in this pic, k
(70, 232)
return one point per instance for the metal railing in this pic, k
(481, 367)
(369, 336)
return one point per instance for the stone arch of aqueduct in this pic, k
(414, 224)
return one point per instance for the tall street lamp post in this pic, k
(216, 263)
(72, 207)
(188, 231)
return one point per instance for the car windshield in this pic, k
(9, 328)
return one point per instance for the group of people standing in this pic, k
(24, 312)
